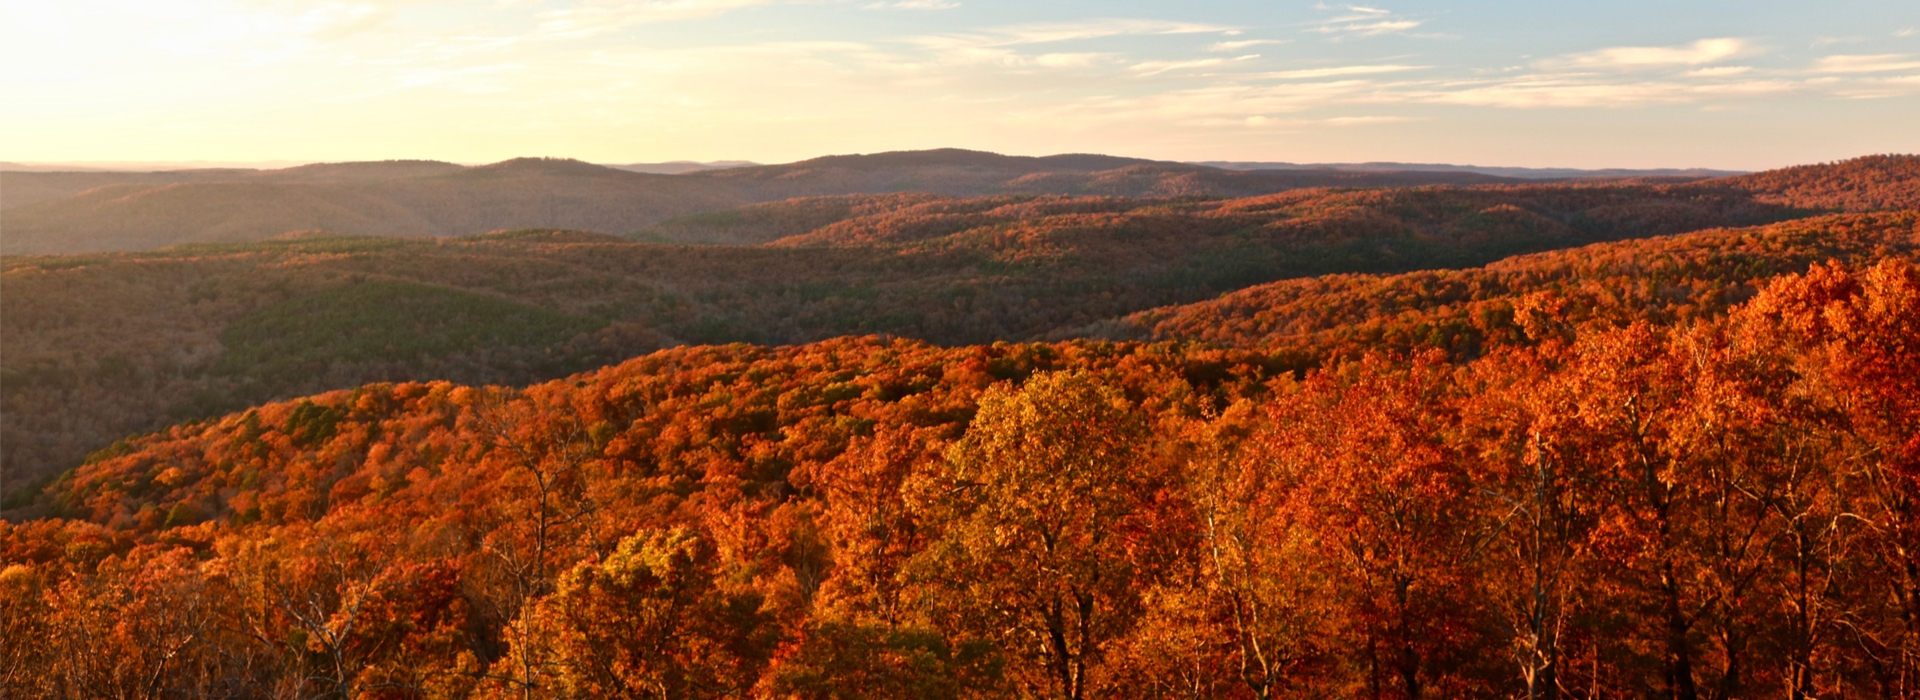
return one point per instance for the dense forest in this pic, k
(99, 346)
(1580, 440)
(1721, 509)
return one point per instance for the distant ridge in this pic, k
(960, 157)
(366, 171)
(71, 212)
(1524, 173)
(156, 166)
(677, 167)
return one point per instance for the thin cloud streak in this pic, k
(914, 5)
(1227, 46)
(1342, 70)
(1362, 21)
(602, 16)
(1881, 63)
(1699, 52)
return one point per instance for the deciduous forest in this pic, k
(1620, 439)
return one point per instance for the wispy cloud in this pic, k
(1719, 71)
(1697, 53)
(1879, 63)
(1362, 21)
(914, 5)
(1042, 33)
(1362, 121)
(1158, 67)
(1560, 92)
(1225, 46)
(601, 16)
(1261, 121)
(1003, 46)
(1339, 71)
(1879, 87)
(1070, 60)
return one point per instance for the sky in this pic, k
(1748, 84)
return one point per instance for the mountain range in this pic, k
(69, 212)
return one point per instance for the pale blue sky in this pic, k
(1619, 84)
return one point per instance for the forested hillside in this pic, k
(1862, 184)
(100, 346)
(1702, 510)
(1663, 280)
(1579, 440)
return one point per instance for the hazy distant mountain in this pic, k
(71, 212)
(676, 167)
(23, 187)
(144, 166)
(392, 198)
(960, 173)
(1527, 173)
(68, 212)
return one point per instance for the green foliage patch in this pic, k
(309, 243)
(382, 321)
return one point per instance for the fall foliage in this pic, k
(1718, 508)
(1679, 466)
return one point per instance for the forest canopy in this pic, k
(1635, 440)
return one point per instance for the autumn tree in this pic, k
(653, 620)
(1255, 611)
(1383, 486)
(541, 451)
(1541, 498)
(1051, 511)
(24, 623)
(1847, 372)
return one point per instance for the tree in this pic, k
(1541, 496)
(1259, 585)
(653, 620)
(1843, 343)
(1051, 508)
(25, 666)
(1382, 488)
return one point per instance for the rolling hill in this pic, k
(389, 199)
(1667, 280)
(882, 517)
(79, 212)
(153, 338)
